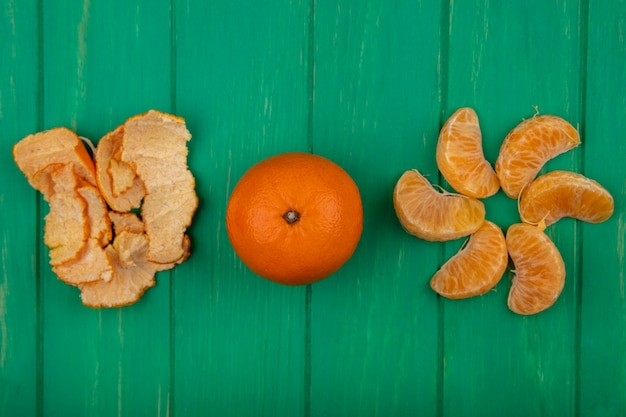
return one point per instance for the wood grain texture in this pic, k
(602, 374)
(20, 365)
(376, 106)
(501, 63)
(368, 84)
(100, 66)
(242, 82)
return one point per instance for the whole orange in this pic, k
(295, 218)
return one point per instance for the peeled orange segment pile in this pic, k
(539, 269)
(528, 147)
(460, 157)
(438, 216)
(476, 268)
(559, 194)
(432, 215)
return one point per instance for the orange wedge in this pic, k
(460, 156)
(475, 268)
(432, 215)
(559, 194)
(528, 147)
(539, 269)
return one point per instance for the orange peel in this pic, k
(112, 173)
(66, 228)
(95, 242)
(155, 145)
(54, 146)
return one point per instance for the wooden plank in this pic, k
(104, 62)
(504, 59)
(367, 84)
(374, 327)
(242, 83)
(602, 338)
(19, 309)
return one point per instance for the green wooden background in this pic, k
(368, 84)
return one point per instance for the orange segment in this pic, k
(528, 147)
(476, 268)
(559, 194)
(539, 269)
(460, 156)
(431, 215)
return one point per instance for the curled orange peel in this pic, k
(95, 244)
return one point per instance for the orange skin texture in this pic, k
(528, 147)
(460, 156)
(325, 234)
(560, 194)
